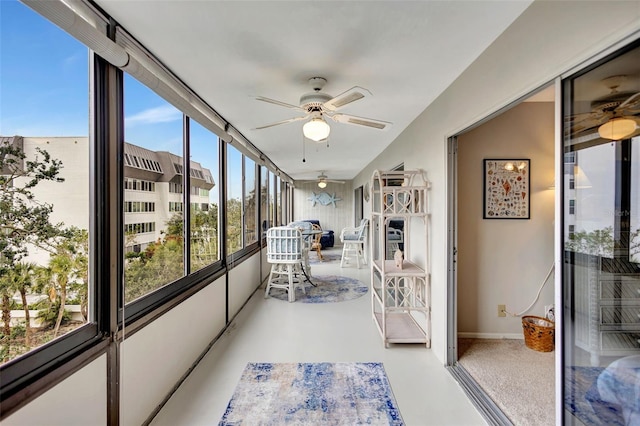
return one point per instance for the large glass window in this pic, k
(279, 203)
(154, 143)
(601, 216)
(272, 199)
(250, 202)
(234, 200)
(264, 199)
(44, 176)
(205, 177)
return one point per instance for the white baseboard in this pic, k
(514, 336)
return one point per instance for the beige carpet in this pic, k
(519, 380)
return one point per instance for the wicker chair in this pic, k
(353, 240)
(315, 241)
(285, 254)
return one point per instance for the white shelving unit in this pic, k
(400, 297)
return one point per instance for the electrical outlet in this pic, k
(549, 312)
(501, 310)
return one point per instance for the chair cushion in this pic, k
(302, 224)
(327, 239)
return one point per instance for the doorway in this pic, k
(501, 260)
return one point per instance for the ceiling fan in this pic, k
(322, 180)
(318, 105)
(614, 115)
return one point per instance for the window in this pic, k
(572, 206)
(234, 200)
(570, 158)
(162, 260)
(40, 62)
(204, 231)
(175, 206)
(139, 206)
(151, 199)
(250, 202)
(264, 199)
(175, 188)
(139, 185)
(272, 195)
(278, 201)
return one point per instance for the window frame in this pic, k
(29, 376)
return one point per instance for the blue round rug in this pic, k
(328, 289)
(328, 258)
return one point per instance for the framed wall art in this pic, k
(506, 189)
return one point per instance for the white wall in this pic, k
(330, 217)
(79, 400)
(70, 198)
(504, 261)
(244, 278)
(548, 39)
(156, 357)
(266, 267)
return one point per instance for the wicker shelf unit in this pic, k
(400, 297)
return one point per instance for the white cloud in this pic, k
(162, 114)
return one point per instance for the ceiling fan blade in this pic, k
(354, 94)
(334, 181)
(290, 120)
(632, 104)
(360, 121)
(588, 121)
(275, 102)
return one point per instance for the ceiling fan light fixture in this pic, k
(618, 128)
(316, 129)
(322, 184)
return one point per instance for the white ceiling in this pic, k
(404, 53)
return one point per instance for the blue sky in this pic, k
(44, 90)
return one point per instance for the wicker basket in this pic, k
(539, 333)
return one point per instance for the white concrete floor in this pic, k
(271, 330)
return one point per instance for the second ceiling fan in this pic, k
(322, 180)
(317, 105)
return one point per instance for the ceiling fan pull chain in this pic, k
(304, 160)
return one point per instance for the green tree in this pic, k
(598, 242)
(67, 270)
(23, 219)
(21, 279)
(160, 264)
(204, 236)
(234, 225)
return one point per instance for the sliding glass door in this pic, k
(601, 242)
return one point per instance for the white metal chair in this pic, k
(285, 253)
(353, 240)
(304, 226)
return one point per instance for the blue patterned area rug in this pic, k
(313, 394)
(328, 289)
(327, 258)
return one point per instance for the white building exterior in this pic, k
(152, 194)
